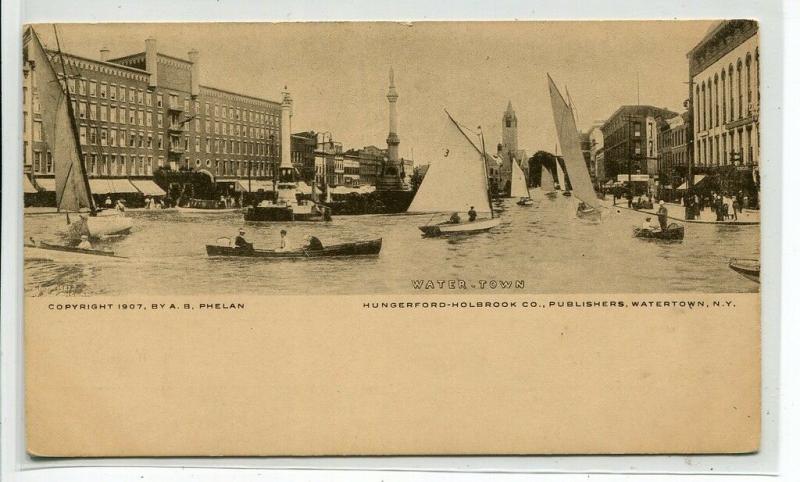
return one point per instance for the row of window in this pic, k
(141, 96)
(727, 148)
(124, 115)
(721, 98)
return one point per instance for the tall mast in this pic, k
(486, 174)
(71, 116)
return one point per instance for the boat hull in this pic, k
(588, 213)
(451, 229)
(55, 252)
(360, 248)
(185, 210)
(673, 232)
(749, 268)
(281, 213)
(525, 202)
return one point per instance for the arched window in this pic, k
(739, 86)
(749, 81)
(697, 107)
(730, 89)
(758, 82)
(716, 100)
(703, 104)
(724, 110)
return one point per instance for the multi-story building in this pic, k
(724, 97)
(370, 161)
(630, 138)
(141, 112)
(596, 154)
(673, 150)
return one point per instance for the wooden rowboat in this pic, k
(674, 232)
(358, 248)
(749, 268)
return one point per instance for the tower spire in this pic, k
(390, 178)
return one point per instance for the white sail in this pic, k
(57, 129)
(456, 178)
(519, 185)
(560, 178)
(547, 180)
(570, 141)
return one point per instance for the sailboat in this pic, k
(569, 139)
(547, 184)
(457, 183)
(73, 193)
(519, 185)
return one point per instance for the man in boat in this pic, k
(242, 243)
(455, 218)
(85, 243)
(648, 226)
(313, 244)
(662, 215)
(284, 246)
(472, 214)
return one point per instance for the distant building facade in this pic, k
(630, 140)
(596, 154)
(673, 150)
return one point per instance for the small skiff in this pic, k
(749, 268)
(359, 248)
(452, 229)
(673, 232)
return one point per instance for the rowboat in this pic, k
(358, 248)
(673, 232)
(468, 227)
(525, 201)
(588, 213)
(749, 268)
(57, 252)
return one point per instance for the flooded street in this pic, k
(544, 245)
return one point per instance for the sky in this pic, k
(337, 72)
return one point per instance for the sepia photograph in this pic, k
(391, 158)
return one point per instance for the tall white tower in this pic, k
(510, 130)
(286, 169)
(390, 177)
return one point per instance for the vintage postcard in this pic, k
(366, 238)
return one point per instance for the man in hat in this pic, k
(85, 243)
(647, 225)
(662, 215)
(241, 242)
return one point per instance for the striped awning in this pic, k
(27, 186)
(112, 186)
(148, 187)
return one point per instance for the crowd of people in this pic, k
(726, 207)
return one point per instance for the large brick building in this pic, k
(630, 140)
(148, 110)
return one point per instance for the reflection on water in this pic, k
(544, 245)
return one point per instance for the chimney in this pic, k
(104, 54)
(194, 58)
(151, 61)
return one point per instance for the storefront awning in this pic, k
(46, 183)
(112, 186)
(697, 179)
(254, 185)
(303, 188)
(148, 188)
(27, 186)
(366, 189)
